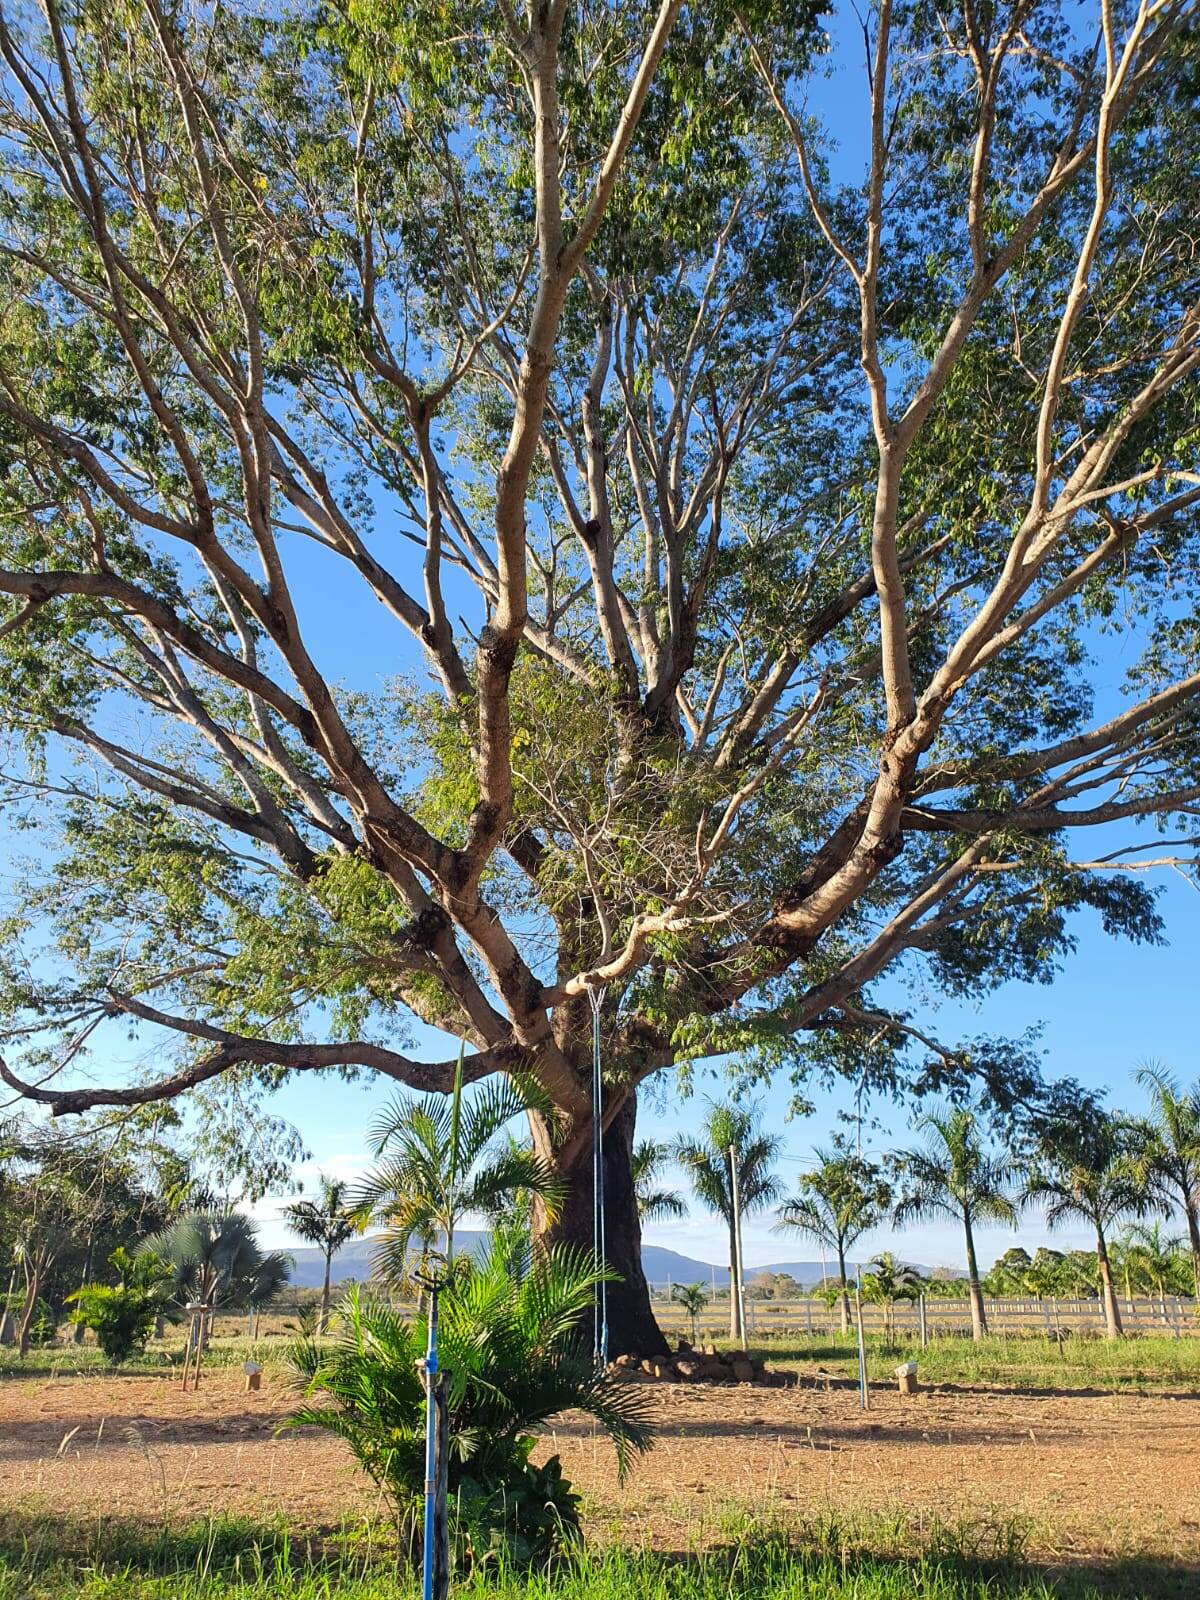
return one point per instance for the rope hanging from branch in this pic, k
(599, 1240)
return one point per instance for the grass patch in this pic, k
(1009, 1361)
(831, 1559)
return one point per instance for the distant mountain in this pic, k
(661, 1266)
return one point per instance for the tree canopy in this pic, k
(735, 530)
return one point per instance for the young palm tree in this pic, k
(692, 1298)
(654, 1202)
(1145, 1247)
(706, 1162)
(885, 1281)
(440, 1158)
(1090, 1172)
(328, 1222)
(1168, 1150)
(214, 1258)
(954, 1175)
(843, 1197)
(507, 1337)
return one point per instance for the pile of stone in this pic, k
(703, 1365)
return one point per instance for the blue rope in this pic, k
(599, 1232)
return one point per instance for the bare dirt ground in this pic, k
(1095, 1475)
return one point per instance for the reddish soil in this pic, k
(1098, 1475)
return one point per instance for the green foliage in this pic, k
(440, 1158)
(508, 1342)
(842, 1198)
(706, 1160)
(122, 1315)
(654, 1202)
(213, 1257)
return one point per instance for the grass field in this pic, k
(833, 1560)
(1020, 1472)
(1008, 1361)
(1005, 1361)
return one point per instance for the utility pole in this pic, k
(735, 1288)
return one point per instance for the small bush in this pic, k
(122, 1315)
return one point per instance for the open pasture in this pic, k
(1087, 1475)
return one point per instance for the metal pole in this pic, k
(435, 1573)
(737, 1245)
(863, 1399)
(924, 1324)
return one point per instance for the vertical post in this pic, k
(736, 1287)
(808, 1317)
(924, 1324)
(441, 1515)
(435, 1563)
(863, 1398)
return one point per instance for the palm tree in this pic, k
(214, 1257)
(328, 1222)
(508, 1340)
(654, 1204)
(885, 1281)
(843, 1197)
(265, 1282)
(440, 1159)
(954, 1175)
(1090, 1171)
(1145, 1247)
(692, 1298)
(706, 1162)
(1168, 1152)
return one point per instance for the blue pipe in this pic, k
(431, 1369)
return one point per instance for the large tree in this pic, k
(505, 511)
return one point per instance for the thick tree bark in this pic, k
(1112, 1311)
(979, 1325)
(632, 1329)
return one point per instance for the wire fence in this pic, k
(1052, 1317)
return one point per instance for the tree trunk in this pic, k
(632, 1329)
(1112, 1311)
(33, 1288)
(735, 1304)
(77, 1330)
(979, 1325)
(325, 1292)
(845, 1300)
(1193, 1223)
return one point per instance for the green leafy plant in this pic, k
(509, 1343)
(843, 1197)
(443, 1157)
(328, 1222)
(122, 1315)
(692, 1298)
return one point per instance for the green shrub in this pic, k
(510, 1347)
(45, 1321)
(122, 1315)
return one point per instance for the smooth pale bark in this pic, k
(1193, 1224)
(325, 1290)
(735, 1308)
(979, 1325)
(1112, 1311)
(845, 1299)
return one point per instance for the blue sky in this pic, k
(1112, 1006)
